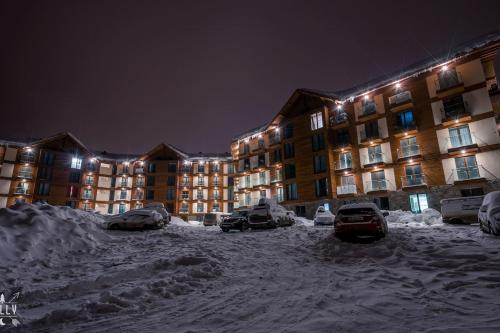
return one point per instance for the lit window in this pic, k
(76, 163)
(316, 121)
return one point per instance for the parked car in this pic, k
(160, 208)
(237, 220)
(489, 213)
(136, 219)
(360, 219)
(268, 214)
(461, 210)
(323, 216)
(211, 219)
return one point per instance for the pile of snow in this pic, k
(43, 232)
(181, 223)
(303, 221)
(428, 217)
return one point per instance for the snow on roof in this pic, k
(209, 156)
(251, 132)
(359, 205)
(104, 155)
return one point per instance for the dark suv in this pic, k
(237, 220)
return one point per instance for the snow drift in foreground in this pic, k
(424, 276)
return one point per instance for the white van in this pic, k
(461, 210)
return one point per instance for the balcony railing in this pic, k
(216, 183)
(368, 108)
(216, 197)
(374, 158)
(409, 151)
(202, 183)
(123, 184)
(449, 80)
(27, 158)
(400, 98)
(374, 135)
(455, 111)
(466, 173)
(459, 141)
(184, 184)
(25, 174)
(200, 197)
(346, 189)
(87, 196)
(274, 138)
(184, 210)
(406, 127)
(343, 165)
(413, 180)
(376, 185)
(138, 196)
(338, 117)
(276, 178)
(139, 170)
(139, 184)
(21, 190)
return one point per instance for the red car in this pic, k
(360, 219)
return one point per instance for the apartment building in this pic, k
(405, 141)
(61, 170)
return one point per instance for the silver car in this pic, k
(489, 213)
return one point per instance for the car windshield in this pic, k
(357, 211)
(239, 214)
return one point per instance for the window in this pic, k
(150, 195)
(289, 150)
(172, 167)
(382, 202)
(123, 195)
(89, 180)
(185, 195)
(215, 207)
(216, 167)
(343, 137)
(45, 173)
(216, 181)
(87, 193)
(409, 147)
(291, 191)
(47, 158)
(279, 194)
(289, 171)
(74, 177)
(418, 202)
(375, 155)
(467, 168)
(201, 168)
(261, 143)
(368, 106)
(230, 207)
(199, 207)
(448, 78)
(230, 194)
(199, 195)
(72, 191)
(277, 155)
(413, 175)
(377, 182)
(261, 160)
(319, 163)
(171, 194)
(150, 181)
(43, 189)
(288, 131)
(371, 130)
(216, 195)
(201, 181)
(76, 163)
(71, 204)
(405, 120)
(112, 195)
(110, 209)
(230, 168)
(460, 136)
(230, 181)
(121, 208)
(171, 180)
(321, 187)
(347, 185)
(454, 107)
(345, 161)
(124, 182)
(151, 168)
(316, 121)
(184, 207)
(246, 148)
(318, 142)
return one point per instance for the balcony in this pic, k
(467, 173)
(402, 129)
(184, 184)
(139, 184)
(276, 178)
(25, 173)
(461, 143)
(123, 184)
(411, 151)
(216, 197)
(448, 80)
(400, 101)
(341, 145)
(346, 189)
(413, 180)
(455, 112)
(274, 138)
(200, 197)
(367, 109)
(200, 184)
(27, 158)
(139, 196)
(21, 190)
(373, 159)
(339, 118)
(368, 137)
(89, 182)
(87, 196)
(376, 185)
(216, 183)
(139, 170)
(343, 165)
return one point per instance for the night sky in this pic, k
(126, 75)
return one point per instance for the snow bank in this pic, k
(427, 218)
(181, 223)
(303, 221)
(43, 232)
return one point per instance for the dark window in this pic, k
(277, 155)
(47, 158)
(288, 131)
(150, 195)
(291, 191)
(112, 195)
(110, 209)
(172, 167)
(151, 168)
(71, 204)
(319, 163)
(43, 189)
(289, 171)
(405, 121)
(321, 187)
(246, 164)
(262, 160)
(371, 129)
(246, 148)
(469, 192)
(289, 150)
(230, 207)
(113, 182)
(171, 180)
(201, 168)
(230, 194)
(230, 181)
(230, 168)
(150, 181)
(74, 177)
(382, 202)
(343, 137)
(170, 207)
(171, 194)
(300, 210)
(113, 170)
(45, 173)
(318, 142)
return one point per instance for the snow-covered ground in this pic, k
(76, 277)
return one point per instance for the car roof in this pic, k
(360, 205)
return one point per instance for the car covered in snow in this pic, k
(489, 213)
(237, 220)
(268, 214)
(159, 208)
(461, 210)
(360, 219)
(323, 216)
(214, 218)
(136, 219)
